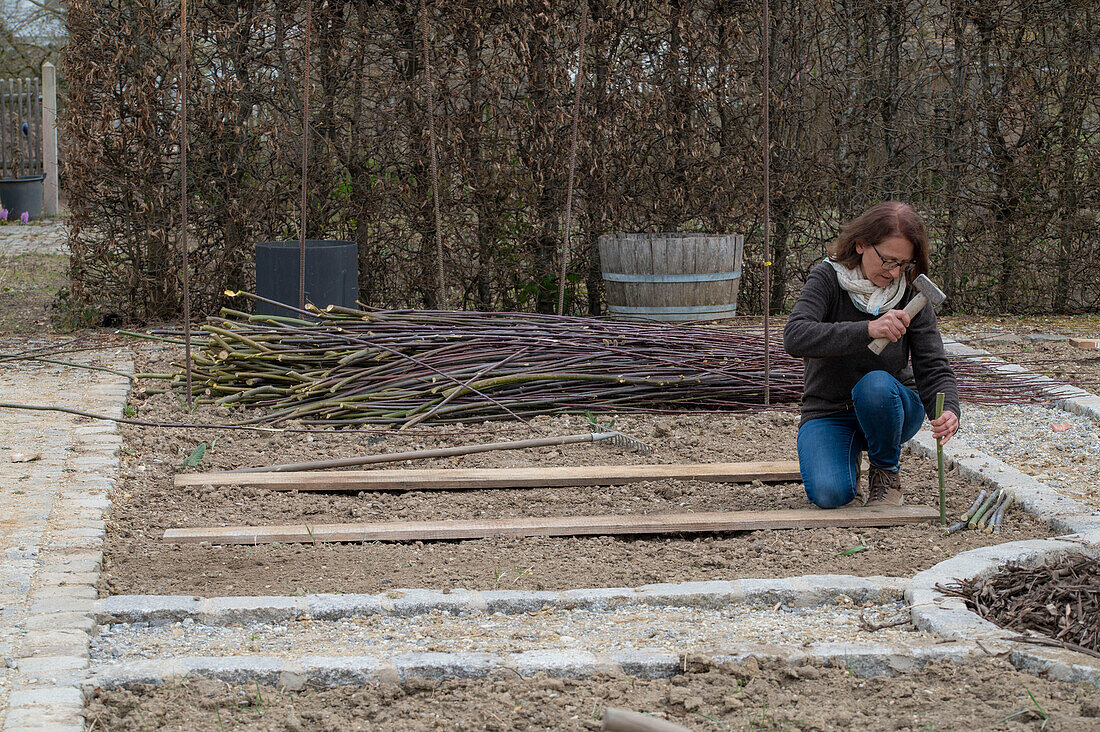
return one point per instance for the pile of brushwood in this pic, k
(403, 367)
(1060, 600)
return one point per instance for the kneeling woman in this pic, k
(854, 400)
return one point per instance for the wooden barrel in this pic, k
(671, 277)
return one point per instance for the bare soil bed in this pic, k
(145, 503)
(986, 695)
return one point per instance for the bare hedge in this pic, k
(985, 115)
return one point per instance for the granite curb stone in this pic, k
(803, 592)
(1065, 397)
(296, 673)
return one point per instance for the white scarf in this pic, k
(865, 295)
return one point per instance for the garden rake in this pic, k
(615, 438)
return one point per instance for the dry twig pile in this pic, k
(1060, 600)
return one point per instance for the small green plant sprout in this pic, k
(595, 423)
(1038, 710)
(129, 410)
(853, 550)
(195, 457)
(499, 574)
(718, 722)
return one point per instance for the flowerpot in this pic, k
(332, 274)
(22, 194)
(671, 277)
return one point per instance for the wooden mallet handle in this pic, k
(915, 306)
(624, 720)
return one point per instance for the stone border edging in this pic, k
(1065, 397)
(802, 592)
(864, 660)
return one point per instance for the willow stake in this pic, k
(939, 464)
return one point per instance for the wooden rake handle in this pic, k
(624, 720)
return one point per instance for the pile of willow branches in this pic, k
(403, 367)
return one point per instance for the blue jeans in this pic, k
(887, 413)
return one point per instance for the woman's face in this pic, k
(886, 261)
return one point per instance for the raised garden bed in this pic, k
(146, 503)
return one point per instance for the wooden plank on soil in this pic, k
(796, 518)
(483, 478)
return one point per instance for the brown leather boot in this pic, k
(884, 487)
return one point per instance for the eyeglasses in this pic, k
(891, 264)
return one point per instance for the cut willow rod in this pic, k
(939, 463)
(52, 349)
(974, 507)
(999, 517)
(402, 355)
(984, 508)
(455, 392)
(90, 367)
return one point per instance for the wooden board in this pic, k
(797, 518)
(482, 478)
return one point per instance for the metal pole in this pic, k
(577, 84)
(767, 207)
(183, 199)
(433, 157)
(305, 159)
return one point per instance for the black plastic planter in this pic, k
(22, 194)
(332, 274)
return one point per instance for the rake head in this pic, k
(620, 440)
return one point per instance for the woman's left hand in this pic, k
(945, 426)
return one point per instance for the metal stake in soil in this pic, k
(939, 464)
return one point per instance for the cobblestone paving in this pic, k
(49, 236)
(55, 473)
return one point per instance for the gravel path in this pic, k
(54, 472)
(1024, 436)
(49, 236)
(672, 629)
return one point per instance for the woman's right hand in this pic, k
(891, 326)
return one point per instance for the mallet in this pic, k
(927, 292)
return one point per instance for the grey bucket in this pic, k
(332, 274)
(671, 277)
(22, 194)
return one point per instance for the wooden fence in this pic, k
(20, 128)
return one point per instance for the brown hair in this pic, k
(881, 221)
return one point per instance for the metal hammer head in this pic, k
(934, 294)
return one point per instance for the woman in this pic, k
(854, 400)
